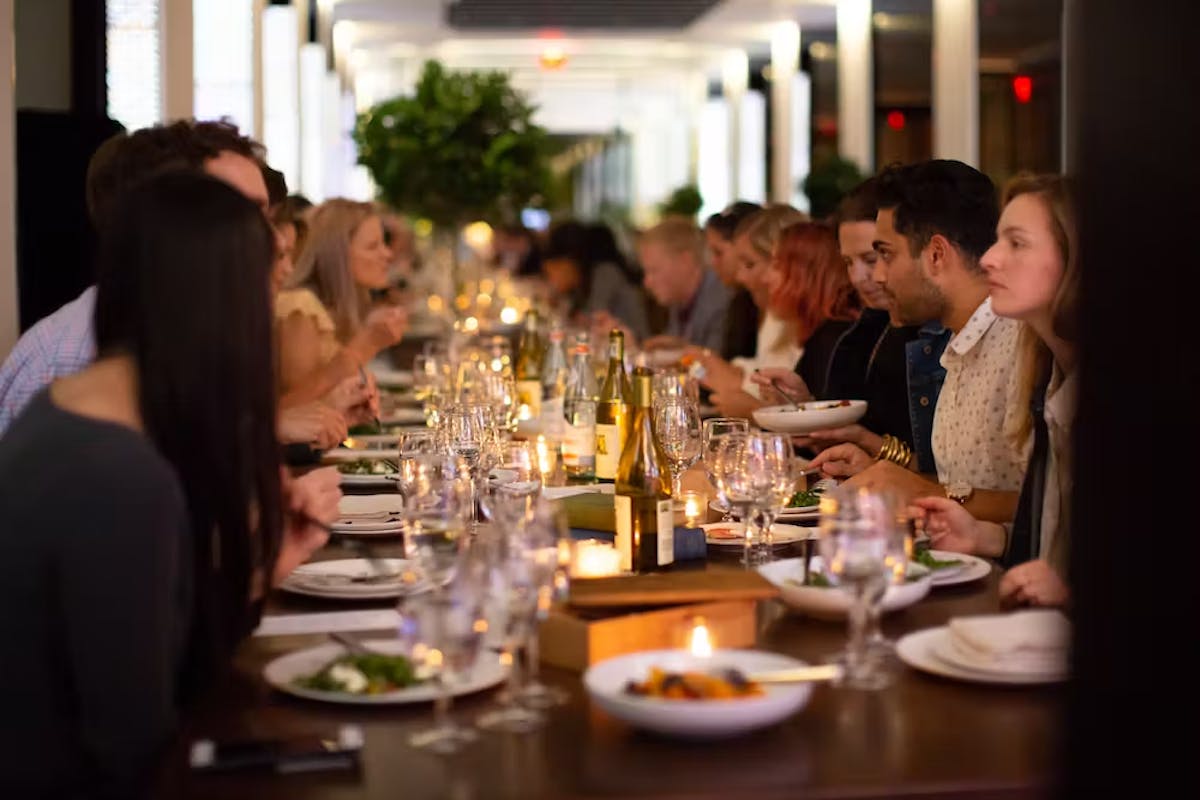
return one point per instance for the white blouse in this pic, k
(775, 346)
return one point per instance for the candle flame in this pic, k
(701, 643)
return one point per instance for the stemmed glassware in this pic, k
(513, 486)
(412, 444)
(466, 432)
(858, 539)
(711, 433)
(550, 528)
(754, 471)
(677, 426)
(435, 514)
(442, 632)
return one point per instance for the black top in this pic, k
(741, 327)
(864, 360)
(95, 601)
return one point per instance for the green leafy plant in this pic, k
(828, 182)
(684, 201)
(463, 146)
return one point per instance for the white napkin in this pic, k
(1032, 641)
(293, 624)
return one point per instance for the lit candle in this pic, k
(545, 464)
(594, 558)
(700, 643)
(693, 507)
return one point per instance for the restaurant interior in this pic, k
(597, 398)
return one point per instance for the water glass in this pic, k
(711, 432)
(857, 538)
(677, 426)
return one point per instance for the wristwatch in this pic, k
(958, 492)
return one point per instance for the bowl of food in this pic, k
(675, 693)
(819, 596)
(816, 415)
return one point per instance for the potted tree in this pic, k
(463, 146)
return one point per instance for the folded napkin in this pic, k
(1033, 641)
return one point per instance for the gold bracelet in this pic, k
(885, 450)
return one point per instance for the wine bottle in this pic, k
(645, 520)
(529, 368)
(612, 412)
(554, 383)
(579, 411)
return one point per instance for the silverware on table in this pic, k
(791, 398)
(352, 645)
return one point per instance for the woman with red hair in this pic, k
(810, 289)
(807, 290)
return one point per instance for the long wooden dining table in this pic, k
(922, 737)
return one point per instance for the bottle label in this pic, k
(624, 530)
(608, 451)
(529, 394)
(666, 532)
(579, 446)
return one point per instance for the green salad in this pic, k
(368, 673)
(925, 558)
(367, 466)
(805, 499)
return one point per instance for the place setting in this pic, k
(369, 515)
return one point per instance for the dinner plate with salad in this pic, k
(368, 472)
(950, 569)
(384, 676)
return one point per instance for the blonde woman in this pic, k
(777, 343)
(328, 330)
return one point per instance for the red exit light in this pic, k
(1023, 88)
(895, 120)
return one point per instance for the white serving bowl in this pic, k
(695, 719)
(816, 415)
(831, 602)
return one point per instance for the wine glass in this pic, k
(857, 536)
(543, 540)
(754, 471)
(513, 486)
(465, 431)
(442, 632)
(435, 514)
(711, 432)
(411, 444)
(677, 426)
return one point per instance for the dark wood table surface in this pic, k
(922, 737)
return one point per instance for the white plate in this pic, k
(342, 455)
(816, 415)
(920, 651)
(282, 671)
(784, 534)
(787, 515)
(392, 377)
(944, 648)
(371, 503)
(695, 719)
(831, 602)
(369, 527)
(404, 416)
(972, 569)
(323, 579)
(377, 481)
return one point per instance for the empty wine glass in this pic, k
(754, 470)
(711, 432)
(677, 426)
(442, 633)
(436, 513)
(411, 444)
(465, 431)
(512, 486)
(543, 537)
(857, 536)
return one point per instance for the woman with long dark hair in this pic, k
(143, 505)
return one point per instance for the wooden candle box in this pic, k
(607, 617)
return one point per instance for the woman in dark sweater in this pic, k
(142, 501)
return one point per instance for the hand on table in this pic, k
(311, 498)
(316, 423)
(1034, 583)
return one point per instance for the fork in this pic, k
(791, 398)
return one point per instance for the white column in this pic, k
(735, 74)
(312, 96)
(256, 67)
(956, 80)
(785, 62)
(752, 149)
(178, 82)
(856, 86)
(713, 175)
(281, 91)
(9, 319)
